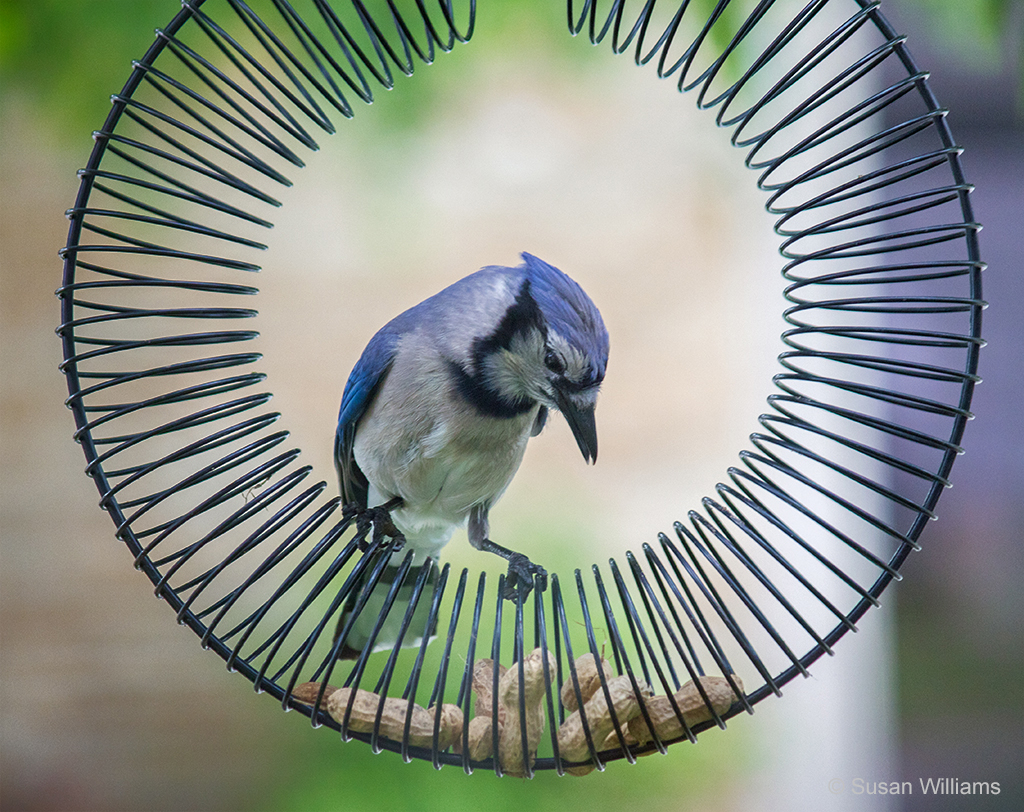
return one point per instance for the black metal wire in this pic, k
(880, 253)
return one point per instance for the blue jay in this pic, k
(437, 413)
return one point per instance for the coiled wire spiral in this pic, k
(880, 254)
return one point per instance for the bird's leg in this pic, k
(378, 518)
(521, 570)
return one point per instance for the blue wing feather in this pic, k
(373, 364)
(363, 381)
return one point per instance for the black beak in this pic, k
(582, 423)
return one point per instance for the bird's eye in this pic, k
(554, 363)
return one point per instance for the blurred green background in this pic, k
(106, 705)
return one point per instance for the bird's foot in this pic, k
(519, 581)
(379, 520)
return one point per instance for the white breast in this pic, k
(437, 453)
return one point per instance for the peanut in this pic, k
(511, 756)
(450, 731)
(393, 716)
(589, 679)
(483, 682)
(612, 741)
(307, 692)
(481, 738)
(572, 741)
(691, 706)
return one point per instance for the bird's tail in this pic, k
(361, 619)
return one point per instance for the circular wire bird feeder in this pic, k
(880, 259)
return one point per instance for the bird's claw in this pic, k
(379, 520)
(520, 578)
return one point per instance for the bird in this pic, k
(435, 418)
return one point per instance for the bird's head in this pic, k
(551, 347)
